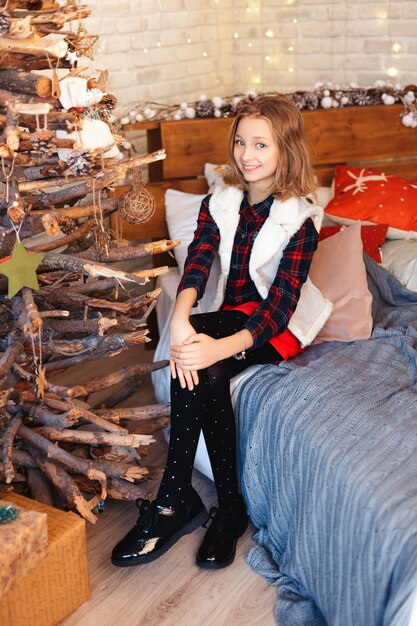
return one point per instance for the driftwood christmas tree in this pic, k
(62, 302)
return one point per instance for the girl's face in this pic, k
(256, 153)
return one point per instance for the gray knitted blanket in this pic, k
(328, 447)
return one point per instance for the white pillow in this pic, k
(400, 258)
(181, 211)
(212, 172)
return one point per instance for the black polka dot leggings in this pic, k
(208, 408)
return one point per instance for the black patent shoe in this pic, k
(219, 544)
(157, 529)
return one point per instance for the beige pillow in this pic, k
(339, 272)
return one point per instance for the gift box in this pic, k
(24, 543)
(59, 583)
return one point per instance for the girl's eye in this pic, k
(238, 142)
(260, 145)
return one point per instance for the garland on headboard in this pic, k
(323, 95)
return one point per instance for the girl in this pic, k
(261, 227)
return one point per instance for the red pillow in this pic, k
(372, 238)
(368, 196)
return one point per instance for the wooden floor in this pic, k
(171, 591)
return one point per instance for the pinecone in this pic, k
(106, 106)
(298, 98)
(79, 163)
(4, 24)
(205, 108)
(42, 142)
(68, 225)
(311, 100)
(360, 97)
(228, 110)
(100, 239)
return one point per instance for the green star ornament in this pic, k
(21, 269)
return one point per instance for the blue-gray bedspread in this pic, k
(328, 445)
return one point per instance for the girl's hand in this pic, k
(179, 332)
(197, 352)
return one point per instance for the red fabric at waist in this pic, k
(286, 344)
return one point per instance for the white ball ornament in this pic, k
(317, 86)
(217, 113)
(190, 113)
(125, 120)
(203, 98)
(387, 99)
(178, 116)
(409, 97)
(139, 117)
(217, 101)
(414, 123)
(326, 102)
(379, 83)
(236, 101)
(344, 100)
(335, 103)
(126, 145)
(132, 115)
(326, 93)
(407, 120)
(183, 106)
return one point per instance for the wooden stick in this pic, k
(79, 233)
(140, 413)
(72, 264)
(39, 486)
(130, 252)
(61, 456)
(115, 377)
(64, 392)
(35, 45)
(47, 418)
(64, 483)
(7, 360)
(26, 82)
(96, 438)
(117, 488)
(12, 426)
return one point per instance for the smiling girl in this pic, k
(262, 228)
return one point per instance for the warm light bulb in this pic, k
(188, 40)
(158, 44)
(392, 71)
(257, 80)
(268, 58)
(396, 47)
(269, 33)
(205, 54)
(236, 35)
(249, 68)
(291, 69)
(295, 20)
(290, 48)
(145, 50)
(250, 44)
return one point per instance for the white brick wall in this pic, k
(337, 40)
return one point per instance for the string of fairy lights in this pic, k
(268, 39)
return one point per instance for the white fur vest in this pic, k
(284, 220)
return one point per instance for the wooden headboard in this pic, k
(373, 136)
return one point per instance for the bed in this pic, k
(328, 441)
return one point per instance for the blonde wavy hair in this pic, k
(294, 175)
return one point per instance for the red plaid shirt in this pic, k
(272, 314)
